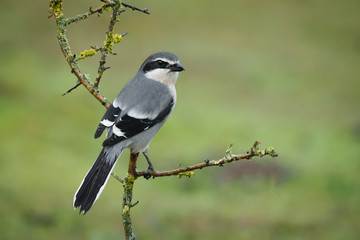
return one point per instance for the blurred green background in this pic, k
(285, 73)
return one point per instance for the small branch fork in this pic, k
(99, 10)
(113, 6)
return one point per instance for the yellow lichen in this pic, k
(186, 174)
(106, 8)
(129, 181)
(108, 42)
(111, 40)
(56, 8)
(86, 53)
(100, 75)
(117, 38)
(126, 209)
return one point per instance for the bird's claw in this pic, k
(149, 172)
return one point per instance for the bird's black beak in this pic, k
(177, 67)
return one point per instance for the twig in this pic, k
(113, 2)
(145, 10)
(84, 16)
(111, 39)
(116, 8)
(74, 87)
(186, 171)
(101, 68)
(117, 177)
(99, 10)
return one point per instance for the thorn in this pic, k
(124, 34)
(256, 144)
(133, 205)
(68, 91)
(51, 14)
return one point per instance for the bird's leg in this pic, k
(150, 168)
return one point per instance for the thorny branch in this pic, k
(99, 10)
(113, 6)
(228, 158)
(145, 10)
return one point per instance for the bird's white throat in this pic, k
(163, 75)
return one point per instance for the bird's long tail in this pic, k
(95, 180)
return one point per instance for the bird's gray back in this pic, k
(144, 96)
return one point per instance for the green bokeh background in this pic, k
(285, 73)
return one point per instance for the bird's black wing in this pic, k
(130, 126)
(108, 120)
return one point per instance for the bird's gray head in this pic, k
(163, 67)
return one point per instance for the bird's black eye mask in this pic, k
(155, 65)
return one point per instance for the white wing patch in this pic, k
(107, 123)
(117, 131)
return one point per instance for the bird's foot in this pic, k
(149, 172)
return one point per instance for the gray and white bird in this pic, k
(131, 121)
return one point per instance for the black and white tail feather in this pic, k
(133, 119)
(94, 182)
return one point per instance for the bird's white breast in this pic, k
(166, 77)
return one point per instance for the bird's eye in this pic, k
(161, 63)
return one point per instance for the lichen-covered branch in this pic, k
(128, 185)
(113, 6)
(144, 10)
(113, 2)
(128, 182)
(61, 23)
(99, 10)
(84, 16)
(111, 40)
(229, 158)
